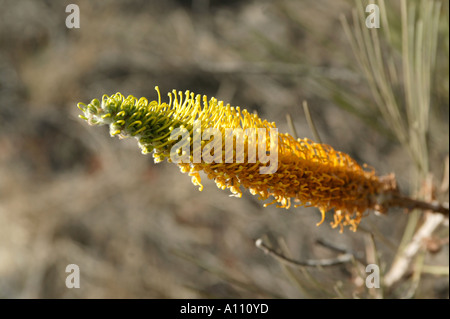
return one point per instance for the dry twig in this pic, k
(344, 258)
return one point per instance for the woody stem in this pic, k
(410, 204)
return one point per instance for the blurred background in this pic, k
(71, 194)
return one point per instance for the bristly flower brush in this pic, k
(308, 173)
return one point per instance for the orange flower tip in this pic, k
(323, 212)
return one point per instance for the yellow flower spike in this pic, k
(308, 173)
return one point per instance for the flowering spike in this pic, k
(307, 173)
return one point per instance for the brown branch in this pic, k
(410, 204)
(307, 263)
(431, 222)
